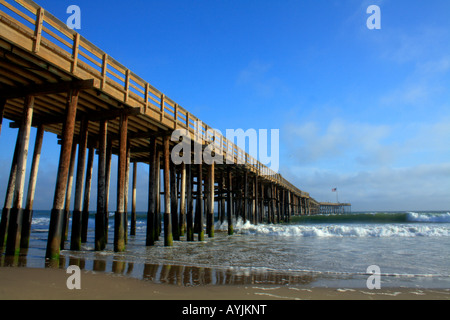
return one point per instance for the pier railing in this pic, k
(38, 31)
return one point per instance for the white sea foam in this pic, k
(336, 230)
(428, 217)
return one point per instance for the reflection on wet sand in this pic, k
(170, 274)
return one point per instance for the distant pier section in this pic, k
(334, 208)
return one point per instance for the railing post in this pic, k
(76, 44)
(104, 70)
(38, 29)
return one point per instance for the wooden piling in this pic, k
(230, 201)
(168, 238)
(66, 216)
(75, 241)
(255, 200)
(158, 219)
(126, 188)
(263, 208)
(100, 216)
(119, 225)
(133, 202)
(200, 231)
(174, 202)
(87, 195)
(9, 197)
(2, 109)
(210, 212)
(183, 200)
(28, 212)
(221, 206)
(16, 214)
(152, 195)
(55, 230)
(245, 213)
(107, 185)
(272, 204)
(190, 204)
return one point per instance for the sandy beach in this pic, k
(50, 284)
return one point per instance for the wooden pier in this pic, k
(334, 208)
(54, 79)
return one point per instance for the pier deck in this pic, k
(54, 79)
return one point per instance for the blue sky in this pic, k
(365, 111)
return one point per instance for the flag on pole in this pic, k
(334, 190)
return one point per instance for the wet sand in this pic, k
(50, 284)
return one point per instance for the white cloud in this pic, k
(377, 167)
(421, 187)
(310, 143)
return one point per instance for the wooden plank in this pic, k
(18, 12)
(46, 89)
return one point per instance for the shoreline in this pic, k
(22, 283)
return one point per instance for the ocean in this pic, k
(411, 249)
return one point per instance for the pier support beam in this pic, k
(245, 202)
(16, 214)
(190, 204)
(174, 202)
(230, 201)
(28, 212)
(2, 109)
(56, 218)
(87, 196)
(119, 222)
(65, 231)
(75, 241)
(168, 237)
(199, 201)
(127, 185)
(183, 200)
(133, 202)
(152, 195)
(210, 213)
(255, 201)
(107, 185)
(101, 214)
(9, 198)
